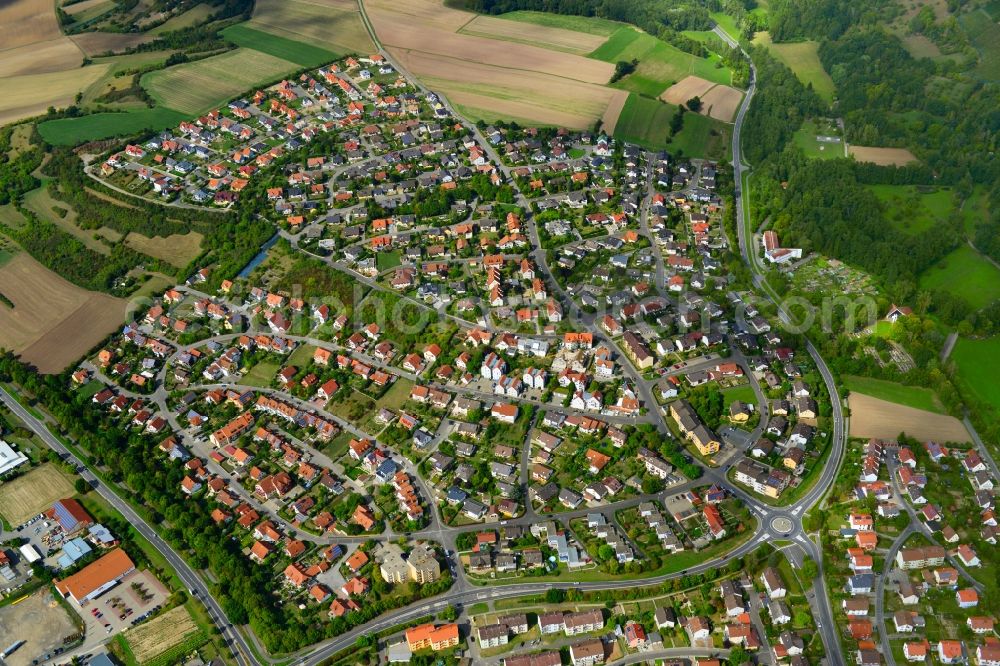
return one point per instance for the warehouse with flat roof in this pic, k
(96, 578)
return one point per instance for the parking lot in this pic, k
(118, 608)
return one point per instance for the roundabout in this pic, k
(782, 525)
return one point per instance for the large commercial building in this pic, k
(96, 578)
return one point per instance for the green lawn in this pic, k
(966, 274)
(302, 356)
(586, 24)
(806, 139)
(386, 260)
(397, 394)
(915, 210)
(660, 64)
(911, 396)
(803, 59)
(300, 53)
(744, 393)
(71, 131)
(261, 374)
(978, 363)
(882, 329)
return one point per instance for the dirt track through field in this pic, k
(871, 417)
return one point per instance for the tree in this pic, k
(651, 485)
(623, 68)
(737, 655)
(555, 596)
(694, 104)
(813, 520)
(809, 569)
(81, 486)
(677, 121)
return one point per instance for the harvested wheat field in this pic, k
(176, 249)
(497, 68)
(882, 156)
(54, 55)
(330, 24)
(82, 6)
(685, 89)
(101, 43)
(721, 103)
(609, 121)
(34, 492)
(546, 37)
(161, 634)
(717, 101)
(425, 14)
(398, 34)
(871, 417)
(53, 322)
(30, 95)
(25, 22)
(541, 98)
(31, 41)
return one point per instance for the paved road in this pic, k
(890, 556)
(186, 574)
(822, 603)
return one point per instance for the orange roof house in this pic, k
(357, 560)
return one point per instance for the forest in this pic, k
(887, 98)
(792, 20)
